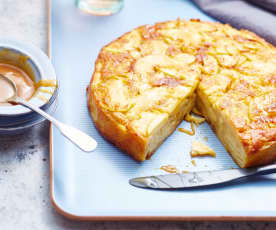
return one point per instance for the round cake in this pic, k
(147, 80)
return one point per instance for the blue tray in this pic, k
(95, 186)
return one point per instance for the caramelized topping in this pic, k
(172, 51)
(170, 82)
(149, 32)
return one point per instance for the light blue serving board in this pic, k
(95, 186)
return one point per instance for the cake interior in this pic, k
(165, 129)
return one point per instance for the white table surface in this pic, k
(24, 161)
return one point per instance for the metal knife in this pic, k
(199, 179)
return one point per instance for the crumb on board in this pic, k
(196, 111)
(169, 168)
(193, 162)
(189, 132)
(185, 171)
(195, 119)
(200, 149)
(205, 138)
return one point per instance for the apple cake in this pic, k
(149, 79)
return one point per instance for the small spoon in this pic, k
(79, 138)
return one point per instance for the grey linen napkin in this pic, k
(258, 16)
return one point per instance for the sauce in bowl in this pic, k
(25, 85)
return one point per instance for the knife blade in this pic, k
(199, 179)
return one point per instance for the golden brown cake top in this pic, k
(140, 77)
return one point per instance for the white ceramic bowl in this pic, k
(33, 61)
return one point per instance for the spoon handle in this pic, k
(79, 138)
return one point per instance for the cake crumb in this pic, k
(189, 132)
(194, 119)
(205, 138)
(200, 149)
(169, 169)
(196, 111)
(193, 162)
(185, 171)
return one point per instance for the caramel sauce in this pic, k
(6, 91)
(169, 168)
(46, 83)
(25, 85)
(45, 91)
